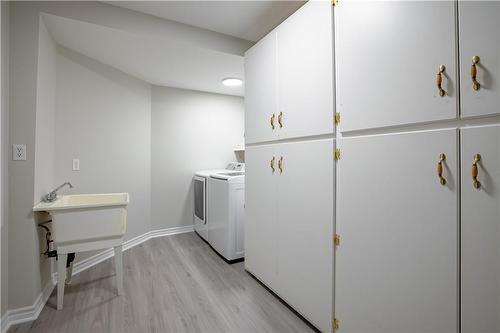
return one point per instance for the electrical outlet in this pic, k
(19, 152)
(76, 164)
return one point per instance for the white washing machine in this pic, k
(226, 191)
(200, 189)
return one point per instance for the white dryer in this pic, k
(200, 189)
(226, 212)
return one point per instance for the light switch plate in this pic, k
(19, 152)
(76, 164)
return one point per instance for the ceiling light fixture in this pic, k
(232, 82)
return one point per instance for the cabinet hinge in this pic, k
(337, 118)
(336, 239)
(337, 153)
(335, 2)
(335, 324)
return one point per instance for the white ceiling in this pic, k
(186, 54)
(249, 20)
(160, 61)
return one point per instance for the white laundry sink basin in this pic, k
(83, 201)
(87, 218)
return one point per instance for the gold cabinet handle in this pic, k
(271, 120)
(280, 119)
(271, 163)
(280, 164)
(442, 180)
(439, 80)
(473, 72)
(476, 183)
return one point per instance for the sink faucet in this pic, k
(52, 196)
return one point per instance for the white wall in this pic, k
(190, 131)
(23, 274)
(45, 114)
(4, 154)
(103, 117)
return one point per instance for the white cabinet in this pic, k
(289, 224)
(305, 73)
(481, 230)
(305, 218)
(397, 264)
(407, 261)
(260, 91)
(479, 23)
(261, 226)
(479, 26)
(290, 185)
(387, 54)
(289, 78)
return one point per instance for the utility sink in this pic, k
(87, 217)
(86, 222)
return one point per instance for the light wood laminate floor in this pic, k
(172, 284)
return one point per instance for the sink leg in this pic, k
(69, 273)
(69, 267)
(61, 279)
(119, 269)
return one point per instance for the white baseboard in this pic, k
(27, 313)
(170, 231)
(30, 313)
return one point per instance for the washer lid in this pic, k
(228, 175)
(207, 173)
(231, 167)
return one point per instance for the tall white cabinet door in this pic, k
(481, 231)
(305, 74)
(387, 55)
(260, 214)
(479, 23)
(260, 90)
(305, 219)
(397, 264)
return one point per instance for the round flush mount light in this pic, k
(232, 82)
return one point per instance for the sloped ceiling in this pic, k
(249, 20)
(160, 61)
